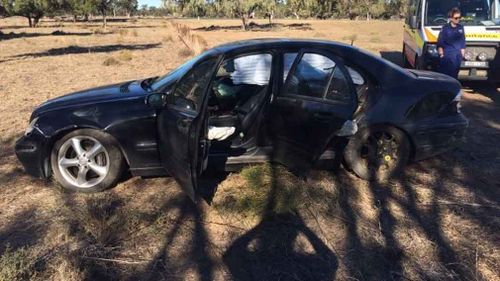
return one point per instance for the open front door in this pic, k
(316, 100)
(181, 126)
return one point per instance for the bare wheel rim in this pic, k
(380, 153)
(83, 161)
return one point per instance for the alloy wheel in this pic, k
(83, 161)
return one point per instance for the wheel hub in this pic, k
(83, 161)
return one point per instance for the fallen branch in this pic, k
(445, 202)
(115, 260)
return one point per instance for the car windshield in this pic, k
(474, 12)
(174, 75)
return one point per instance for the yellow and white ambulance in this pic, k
(481, 21)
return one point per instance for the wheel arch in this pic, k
(63, 132)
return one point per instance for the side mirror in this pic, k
(413, 22)
(156, 100)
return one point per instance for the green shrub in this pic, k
(16, 264)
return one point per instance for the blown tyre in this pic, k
(87, 160)
(378, 153)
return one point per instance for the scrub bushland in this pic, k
(439, 221)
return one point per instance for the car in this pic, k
(290, 101)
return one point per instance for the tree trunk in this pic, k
(104, 23)
(86, 17)
(36, 20)
(243, 21)
(74, 18)
(29, 20)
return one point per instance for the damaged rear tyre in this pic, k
(377, 153)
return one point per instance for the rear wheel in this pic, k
(378, 153)
(87, 160)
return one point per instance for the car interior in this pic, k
(236, 98)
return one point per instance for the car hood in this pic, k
(95, 95)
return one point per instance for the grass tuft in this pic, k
(123, 32)
(16, 264)
(186, 52)
(125, 55)
(265, 188)
(111, 61)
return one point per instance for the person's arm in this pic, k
(440, 42)
(462, 49)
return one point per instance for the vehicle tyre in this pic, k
(87, 160)
(377, 153)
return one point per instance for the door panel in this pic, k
(316, 100)
(180, 126)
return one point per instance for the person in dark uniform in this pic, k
(451, 45)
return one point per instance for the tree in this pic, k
(79, 8)
(128, 6)
(104, 6)
(33, 10)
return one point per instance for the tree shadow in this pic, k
(24, 231)
(193, 255)
(12, 35)
(252, 26)
(82, 50)
(280, 247)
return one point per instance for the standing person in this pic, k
(451, 45)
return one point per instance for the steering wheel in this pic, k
(440, 20)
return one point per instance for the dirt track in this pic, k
(439, 222)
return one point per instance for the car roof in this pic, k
(279, 42)
(386, 73)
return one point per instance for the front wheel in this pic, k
(377, 153)
(87, 160)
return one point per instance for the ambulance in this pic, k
(481, 21)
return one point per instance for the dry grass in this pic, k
(439, 222)
(193, 42)
(111, 61)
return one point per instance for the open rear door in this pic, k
(316, 101)
(181, 126)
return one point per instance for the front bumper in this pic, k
(434, 137)
(31, 152)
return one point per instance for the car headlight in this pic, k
(482, 56)
(432, 50)
(31, 126)
(468, 55)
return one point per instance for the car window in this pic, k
(339, 89)
(251, 69)
(288, 59)
(239, 79)
(190, 89)
(310, 77)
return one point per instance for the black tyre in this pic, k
(87, 160)
(377, 153)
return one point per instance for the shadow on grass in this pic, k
(84, 50)
(12, 35)
(252, 26)
(24, 231)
